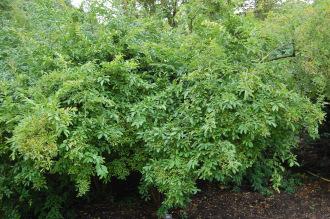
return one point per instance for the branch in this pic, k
(283, 57)
(267, 59)
(313, 174)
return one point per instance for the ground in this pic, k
(311, 200)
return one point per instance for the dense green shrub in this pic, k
(106, 92)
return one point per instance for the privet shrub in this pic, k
(108, 91)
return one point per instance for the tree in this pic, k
(262, 7)
(309, 35)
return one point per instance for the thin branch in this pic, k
(293, 54)
(282, 57)
(313, 174)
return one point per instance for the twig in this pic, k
(293, 54)
(313, 174)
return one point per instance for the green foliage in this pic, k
(105, 92)
(263, 7)
(308, 34)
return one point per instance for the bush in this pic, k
(102, 94)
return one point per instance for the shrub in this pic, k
(84, 96)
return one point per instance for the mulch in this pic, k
(311, 200)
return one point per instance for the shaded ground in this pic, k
(311, 200)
